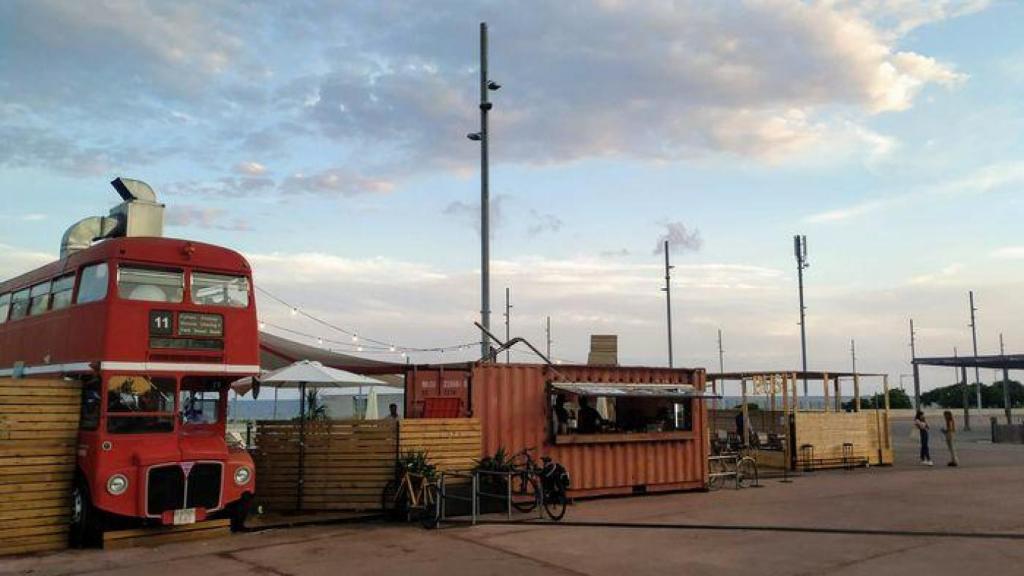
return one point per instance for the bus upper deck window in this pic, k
(93, 286)
(5, 302)
(220, 290)
(62, 288)
(40, 296)
(19, 304)
(150, 285)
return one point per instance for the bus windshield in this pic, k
(199, 400)
(140, 404)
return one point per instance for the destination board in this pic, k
(192, 324)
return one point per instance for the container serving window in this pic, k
(591, 412)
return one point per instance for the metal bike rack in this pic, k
(476, 493)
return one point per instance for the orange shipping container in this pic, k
(513, 404)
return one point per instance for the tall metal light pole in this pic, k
(800, 251)
(974, 336)
(485, 197)
(1007, 407)
(668, 303)
(917, 371)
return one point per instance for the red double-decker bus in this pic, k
(155, 329)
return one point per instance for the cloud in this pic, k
(469, 212)
(225, 187)
(849, 212)
(620, 253)
(542, 223)
(983, 180)
(1009, 253)
(679, 237)
(250, 168)
(117, 84)
(945, 275)
(30, 145)
(334, 182)
(15, 260)
(579, 83)
(184, 215)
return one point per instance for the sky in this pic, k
(326, 141)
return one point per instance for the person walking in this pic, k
(922, 427)
(950, 433)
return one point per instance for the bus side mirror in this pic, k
(255, 388)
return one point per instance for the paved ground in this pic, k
(982, 496)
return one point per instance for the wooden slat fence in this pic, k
(450, 443)
(38, 436)
(348, 462)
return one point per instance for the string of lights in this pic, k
(356, 343)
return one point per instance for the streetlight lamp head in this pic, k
(475, 136)
(492, 85)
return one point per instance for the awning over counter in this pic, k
(612, 390)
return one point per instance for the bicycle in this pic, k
(738, 465)
(411, 495)
(532, 484)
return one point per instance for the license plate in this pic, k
(185, 516)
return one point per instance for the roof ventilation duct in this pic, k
(139, 215)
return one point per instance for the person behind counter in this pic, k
(562, 414)
(589, 418)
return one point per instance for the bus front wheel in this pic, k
(86, 519)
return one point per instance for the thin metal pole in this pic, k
(301, 488)
(721, 354)
(668, 302)
(485, 201)
(800, 245)
(853, 354)
(1007, 406)
(508, 319)
(917, 371)
(967, 396)
(974, 336)
(549, 336)
(966, 392)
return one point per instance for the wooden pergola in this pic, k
(782, 385)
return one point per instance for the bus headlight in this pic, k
(117, 484)
(242, 475)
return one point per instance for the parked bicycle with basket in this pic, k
(413, 493)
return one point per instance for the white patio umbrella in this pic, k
(306, 373)
(371, 405)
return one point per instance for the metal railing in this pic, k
(476, 492)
